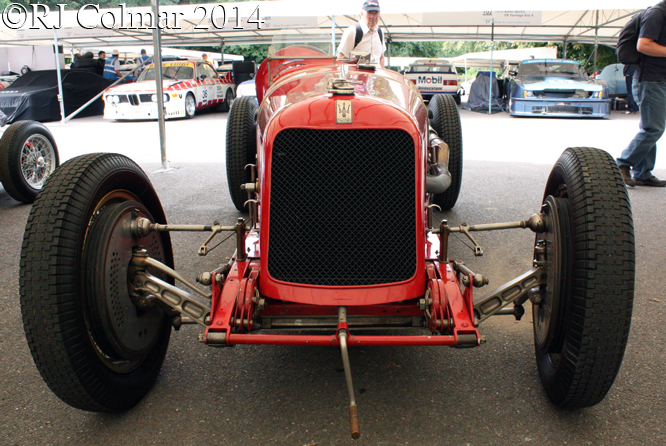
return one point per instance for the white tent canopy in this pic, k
(587, 21)
(482, 59)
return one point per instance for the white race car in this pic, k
(188, 86)
(435, 76)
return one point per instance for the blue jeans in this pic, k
(641, 154)
(631, 104)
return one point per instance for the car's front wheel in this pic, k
(94, 347)
(190, 106)
(241, 148)
(228, 100)
(446, 122)
(582, 316)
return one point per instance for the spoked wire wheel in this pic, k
(28, 155)
(37, 160)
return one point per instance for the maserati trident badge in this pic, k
(343, 112)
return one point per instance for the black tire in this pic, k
(241, 147)
(72, 286)
(456, 97)
(582, 324)
(446, 122)
(28, 155)
(228, 100)
(190, 106)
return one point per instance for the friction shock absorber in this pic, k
(343, 333)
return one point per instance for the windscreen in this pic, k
(562, 68)
(170, 70)
(295, 43)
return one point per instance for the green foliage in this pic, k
(584, 53)
(416, 49)
(253, 53)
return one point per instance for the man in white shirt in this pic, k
(365, 36)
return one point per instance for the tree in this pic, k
(252, 53)
(417, 49)
(584, 53)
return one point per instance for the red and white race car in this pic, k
(188, 86)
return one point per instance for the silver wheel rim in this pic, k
(230, 98)
(37, 160)
(190, 106)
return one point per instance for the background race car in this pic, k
(556, 87)
(188, 86)
(435, 76)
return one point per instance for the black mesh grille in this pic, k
(342, 207)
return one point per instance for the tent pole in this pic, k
(61, 98)
(388, 49)
(490, 85)
(157, 51)
(596, 42)
(222, 53)
(333, 36)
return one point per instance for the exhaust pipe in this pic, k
(440, 179)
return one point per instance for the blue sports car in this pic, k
(556, 88)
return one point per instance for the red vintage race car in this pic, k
(343, 171)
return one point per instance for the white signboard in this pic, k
(516, 18)
(484, 18)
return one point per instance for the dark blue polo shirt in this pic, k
(653, 26)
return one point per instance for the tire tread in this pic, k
(241, 147)
(48, 278)
(446, 122)
(600, 305)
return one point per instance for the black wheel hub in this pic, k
(120, 329)
(548, 313)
